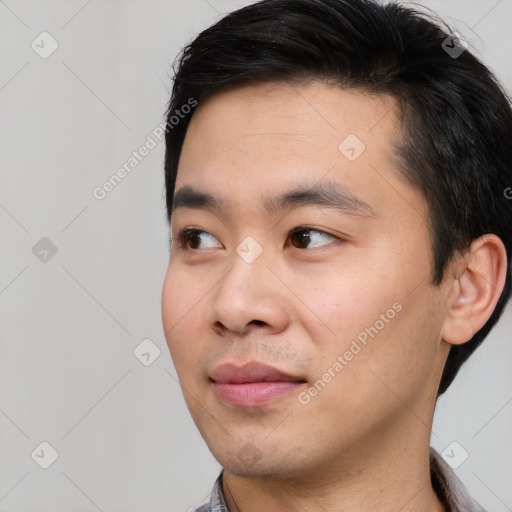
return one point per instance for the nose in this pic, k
(248, 297)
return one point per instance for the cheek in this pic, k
(396, 363)
(182, 317)
(346, 303)
(379, 317)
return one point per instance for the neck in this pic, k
(385, 475)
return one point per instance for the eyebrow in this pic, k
(324, 193)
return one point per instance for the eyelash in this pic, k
(182, 235)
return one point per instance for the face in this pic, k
(299, 311)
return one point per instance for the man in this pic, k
(345, 164)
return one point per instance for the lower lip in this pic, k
(253, 393)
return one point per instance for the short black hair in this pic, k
(455, 145)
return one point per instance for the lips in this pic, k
(252, 384)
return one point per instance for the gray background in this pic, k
(69, 325)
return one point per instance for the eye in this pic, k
(192, 236)
(302, 239)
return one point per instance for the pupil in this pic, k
(195, 239)
(303, 237)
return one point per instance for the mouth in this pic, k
(252, 384)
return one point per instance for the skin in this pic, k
(362, 443)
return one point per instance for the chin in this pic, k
(250, 462)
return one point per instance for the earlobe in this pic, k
(482, 272)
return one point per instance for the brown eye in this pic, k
(190, 238)
(301, 237)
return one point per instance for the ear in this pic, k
(479, 280)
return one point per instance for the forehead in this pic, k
(326, 108)
(259, 139)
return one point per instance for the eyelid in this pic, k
(309, 228)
